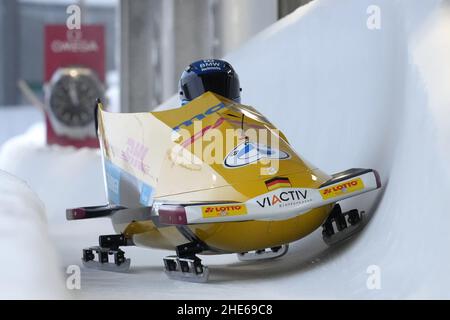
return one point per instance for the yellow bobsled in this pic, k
(212, 177)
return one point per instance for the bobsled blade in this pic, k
(185, 269)
(267, 254)
(98, 258)
(346, 233)
(122, 268)
(189, 277)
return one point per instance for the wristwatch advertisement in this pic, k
(74, 80)
(70, 105)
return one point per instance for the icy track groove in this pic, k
(345, 96)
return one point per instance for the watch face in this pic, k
(72, 99)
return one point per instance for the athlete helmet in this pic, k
(213, 75)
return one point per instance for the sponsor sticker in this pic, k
(224, 211)
(249, 152)
(189, 122)
(277, 182)
(112, 182)
(285, 198)
(208, 65)
(146, 195)
(342, 189)
(134, 154)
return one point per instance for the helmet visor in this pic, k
(224, 84)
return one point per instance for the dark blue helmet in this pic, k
(213, 75)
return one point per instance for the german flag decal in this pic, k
(278, 182)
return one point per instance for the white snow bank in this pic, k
(29, 267)
(63, 177)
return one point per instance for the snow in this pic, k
(29, 262)
(345, 96)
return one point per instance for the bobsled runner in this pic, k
(201, 180)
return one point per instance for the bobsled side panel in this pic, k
(133, 149)
(228, 237)
(251, 235)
